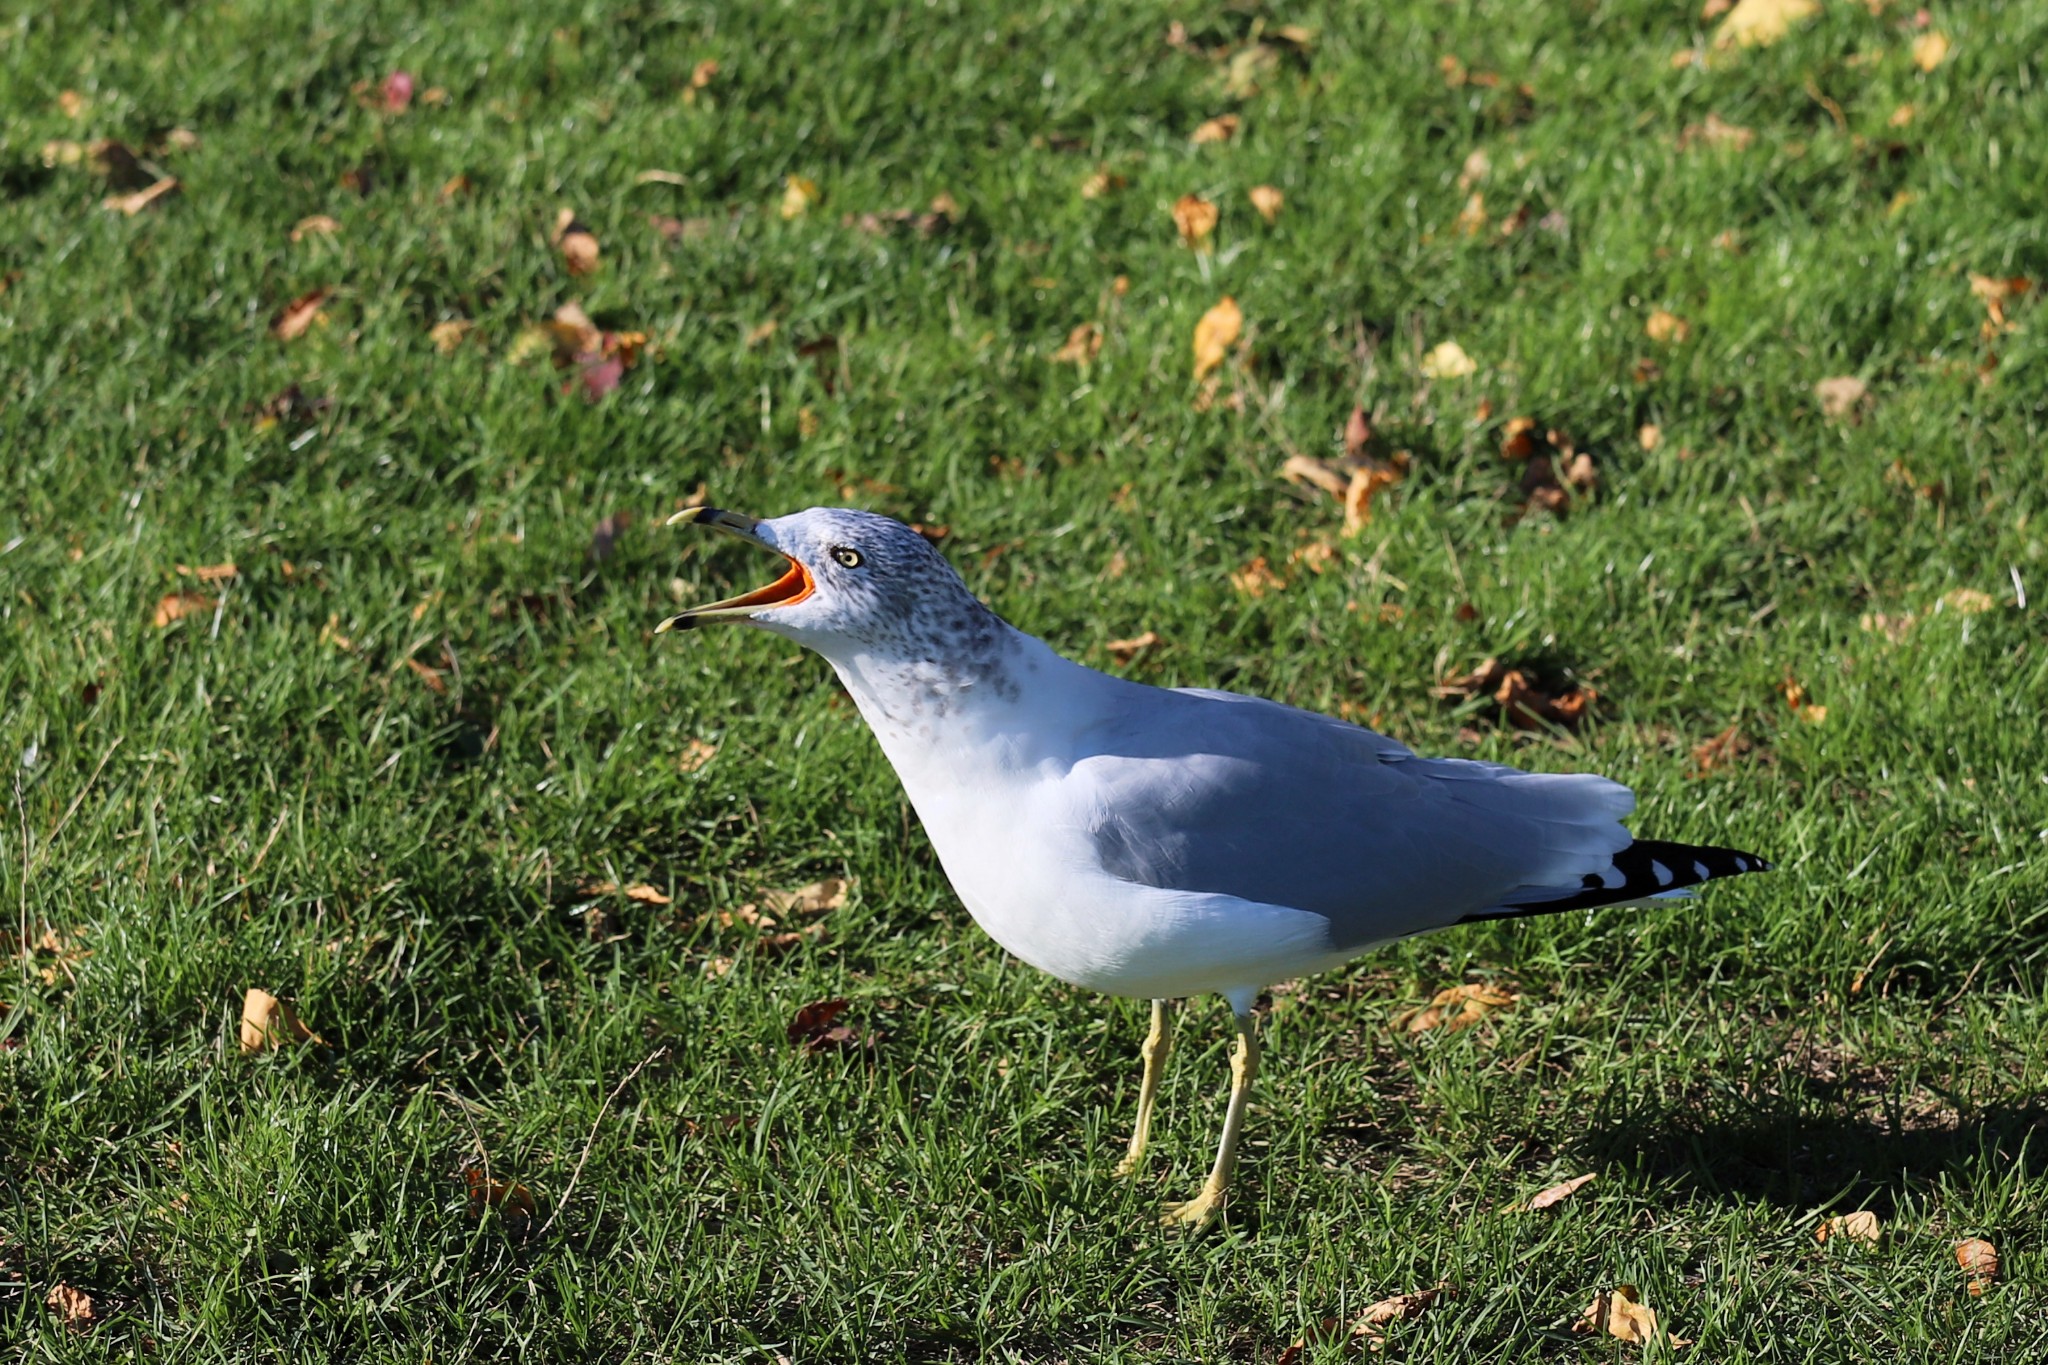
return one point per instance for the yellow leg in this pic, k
(1203, 1209)
(1158, 1043)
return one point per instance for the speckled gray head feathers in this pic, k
(881, 589)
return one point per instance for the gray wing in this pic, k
(1215, 792)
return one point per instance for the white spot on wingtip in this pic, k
(1662, 873)
(1700, 870)
(1612, 878)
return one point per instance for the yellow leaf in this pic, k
(173, 606)
(1861, 1226)
(1621, 1313)
(1447, 360)
(72, 1306)
(1196, 219)
(1215, 334)
(1257, 578)
(1649, 436)
(798, 194)
(1358, 494)
(1471, 220)
(1840, 396)
(1268, 201)
(1968, 601)
(268, 1022)
(1219, 129)
(1456, 1007)
(448, 335)
(1666, 329)
(695, 755)
(1123, 651)
(1759, 23)
(1930, 50)
(647, 895)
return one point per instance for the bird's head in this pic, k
(854, 581)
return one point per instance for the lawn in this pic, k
(417, 764)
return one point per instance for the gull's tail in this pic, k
(1645, 870)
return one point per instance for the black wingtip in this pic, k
(1647, 867)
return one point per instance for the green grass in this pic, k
(239, 799)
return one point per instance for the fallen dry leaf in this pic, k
(1558, 1193)
(1759, 23)
(73, 1307)
(1257, 578)
(814, 1029)
(701, 76)
(1365, 1330)
(509, 1197)
(1719, 134)
(211, 573)
(132, 204)
(1083, 344)
(1720, 750)
(1841, 396)
(1447, 360)
(1930, 49)
(396, 92)
(814, 899)
(1666, 329)
(1893, 626)
(1794, 693)
(300, 314)
(1968, 601)
(435, 681)
(1979, 1260)
(1123, 651)
(1196, 218)
(1861, 1226)
(1267, 201)
(1358, 494)
(1455, 1008)
(448, 335)
(1621, 1313)
(268, 1022)
(695, 755)
(1324, 475)
(1471, 220)
(576, 242)
(1219, 129)
(1215, 334)
(1523, 704)
(798, 195)
(645, 894)
(453, 188)
(314, 225)
(1649, 436)
(72, 104)
(173, 606)
(1099, 182)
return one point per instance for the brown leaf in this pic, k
(72, 104)
(695, 755)
(1759, 23)
(1649, 436)
(1123, 651)
(1520, 438)
(314, 225)
(1215, 334)
(173, 606)
(1794, 693)
(811, 1022)
(1456, 1008)
(1358, 494)
(396, 92)
(1930, 49)
(1558, 1193)
(300, 314)
(1257, 578)
(1365, 1332)
(436, 682)
(132, 204)
(1979, 1260)
(73, 1307)
(268, 1022)
(1196, 218)
(1471, 220)
(453, 188)
(509, 1197)
(647, 895)
(1861, 1226)
(576, 242)
(1666, 329)
(1324, 475)
(1841, 396)
(211, 573)
(798, 195)
(1357, 434)
(1267, 201)
(814, 899)
(702, 75)
(1219, 129)
(1083, 344)
(1621, 1313)
(1447, 360)
(447, 336)
(1720, 750)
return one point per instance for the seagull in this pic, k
(1162, 843)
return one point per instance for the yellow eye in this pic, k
(850, 558)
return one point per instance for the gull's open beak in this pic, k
(793, 587)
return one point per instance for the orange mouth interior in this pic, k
(793, 587)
